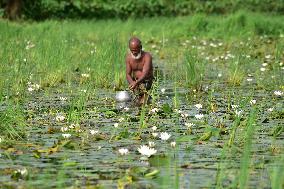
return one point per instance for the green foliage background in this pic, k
(46, 9)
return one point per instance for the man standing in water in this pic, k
(139, 70)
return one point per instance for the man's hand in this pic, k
(133, 85)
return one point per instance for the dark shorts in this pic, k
(144, 87)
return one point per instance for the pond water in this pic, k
(86, 159)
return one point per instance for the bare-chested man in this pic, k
(139, 69)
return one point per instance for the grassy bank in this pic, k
(52, 53)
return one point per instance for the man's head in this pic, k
(135, 47)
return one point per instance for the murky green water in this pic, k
(89, 160)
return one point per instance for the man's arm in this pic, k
(146, 69)
(128, 71)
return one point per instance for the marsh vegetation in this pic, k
(216, 120)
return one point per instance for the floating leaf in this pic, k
(69, 145)
(53, 149)
(123, 134)
(205, 136)
(69, 163)
(167, 108)
(185, 138)
(109, 114)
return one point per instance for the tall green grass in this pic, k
(63, 50)
(246, 156)
(195, 68)
(230, 149)
(13, 122)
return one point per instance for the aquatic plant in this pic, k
(146, 151)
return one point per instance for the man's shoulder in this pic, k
(147, 54)
(127, 56)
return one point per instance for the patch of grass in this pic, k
(13, 122)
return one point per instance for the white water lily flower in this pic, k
(234, 106)
(178, 111)
(0, 140)
(66, 135)
(262, 69)
(189, 124)
(60, 118)
(163, 90)
(155, 134)
(173, 144)
(270, 109)
(252, 102)
(199, 116)
(198, 106)
(121, 119)
(85, 75)
(23, 172)
(79, 131)
(268, 56)
(264, 64)
(62, 98)
(238, 113)
(154, 128)
(93, 132)
(278, 93)
(30, 89)
(36, 86)
(33, 87)
(249, 79)
(63, 129)
(219, 75)
(123, 151)
(115, 125)
(72, 126)
(146, 151)
(164, 136)
(151, 144)
(184, 115)
(154, 110)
